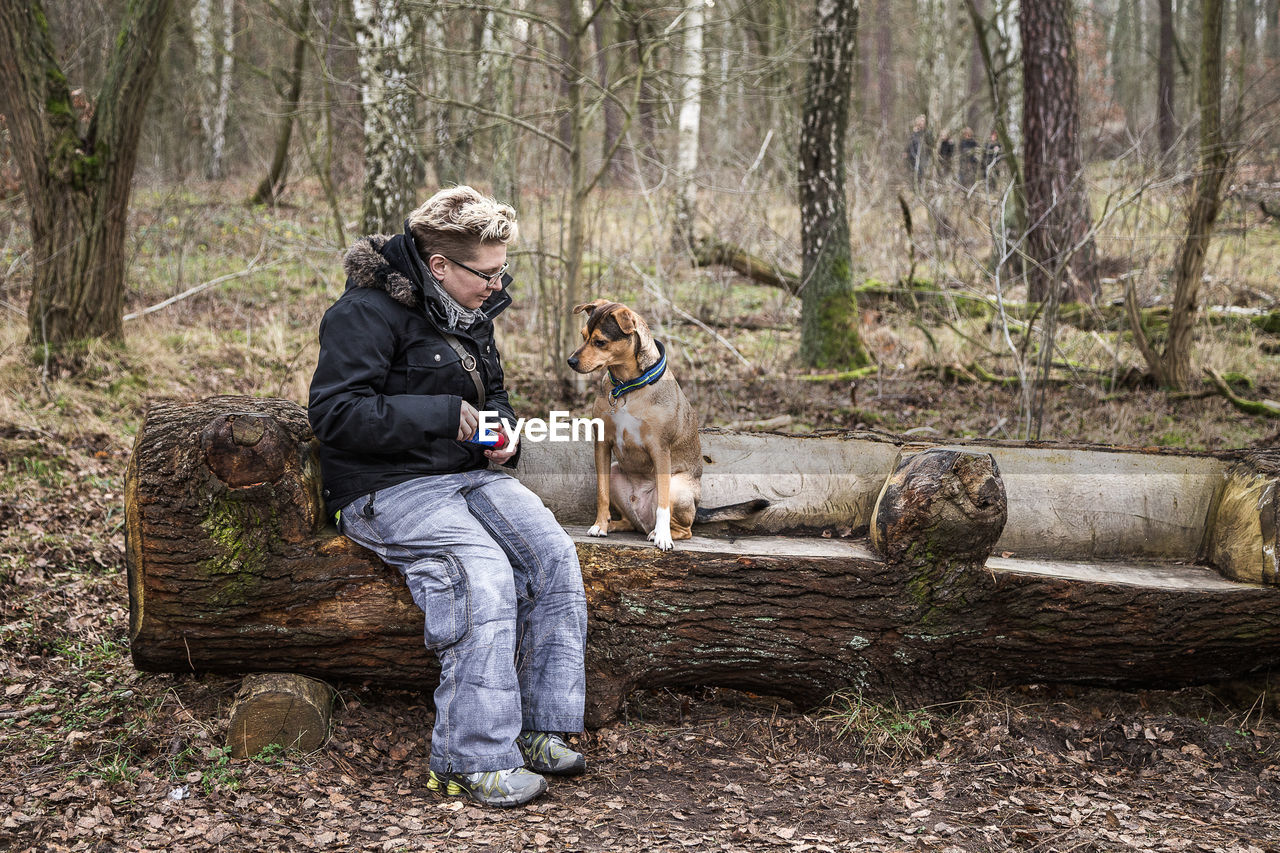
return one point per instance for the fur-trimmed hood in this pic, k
(367, 266)
(390, 263)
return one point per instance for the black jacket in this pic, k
(387, 390)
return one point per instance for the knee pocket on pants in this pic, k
(440, 589)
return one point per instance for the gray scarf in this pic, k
(457, 316)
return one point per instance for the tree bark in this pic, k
(76, 162)
(214, 54)
(506, 33)
(384, 37)
(1166, 127)
(232, 568)
(1271, 48)
(1058, 219)
(1174, 368)
(273, 183)
(829, 335)
(973, 112)
(573, 74)
(997, 87)
(689, 125)
(884, 65)
(602, 26)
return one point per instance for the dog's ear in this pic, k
(632, 323)
(589, 306)
(626, 319)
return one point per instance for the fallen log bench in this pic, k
(887, 567)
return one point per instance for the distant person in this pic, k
(946, 151)
(968, 171)
(919, 148)
(991, 156)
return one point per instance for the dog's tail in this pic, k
(729, 512)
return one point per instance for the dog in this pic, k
(655, 481)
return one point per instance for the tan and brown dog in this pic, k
(655, 482)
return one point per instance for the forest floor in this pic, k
(96, 756)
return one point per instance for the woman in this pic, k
(407, 361)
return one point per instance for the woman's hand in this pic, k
(501, 456)
(468, 421)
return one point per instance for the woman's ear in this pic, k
(435, 265)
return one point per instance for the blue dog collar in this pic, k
(650, 376)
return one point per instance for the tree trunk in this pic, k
(830, 335)
(384, 39)
(273, 183)
(1166, 126)
(973, 113)
(506, 34)
(1272, 48)
(1058, 220)
(574, 73)
(1015, 220)
(76, 170)
(885, 76)
(689, 125)
(601, 27)
(1174, 369)
(232, 567)
(214, 52)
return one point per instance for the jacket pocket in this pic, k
(439, 587)
(435, 368)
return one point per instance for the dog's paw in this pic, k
(597, 530)
(662, 540)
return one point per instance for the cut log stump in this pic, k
(1103, 571)
(282, 709)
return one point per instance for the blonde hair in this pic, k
(458, 220)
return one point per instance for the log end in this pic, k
(288, 710)
(1244, 528)
(940, 506)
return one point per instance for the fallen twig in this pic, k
(842, 376)
(29, 711)
(192, 291)
(1265, 408)
(762, 425)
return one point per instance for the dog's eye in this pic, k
(600, 344)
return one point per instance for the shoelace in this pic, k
(547, 747)
(490, 782)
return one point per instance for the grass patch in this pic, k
(885, 732)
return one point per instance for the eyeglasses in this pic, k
(495, 279)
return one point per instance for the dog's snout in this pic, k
(573, 362)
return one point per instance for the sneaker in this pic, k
(502, 788)
(545, 752)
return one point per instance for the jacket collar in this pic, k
(391, 264)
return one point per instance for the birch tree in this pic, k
(385, 46)
(688, 127)
(215, 48)
(76, 163)
(829, 335)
